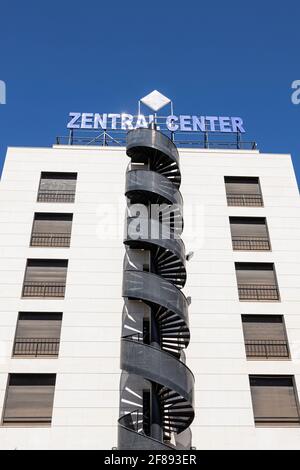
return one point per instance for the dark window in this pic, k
(51, 229)
(57, 187)
(256, 281)
(45, 278)
(274, 400)
(265, 337)
(146, 330)
(37, 334)
(29, 399)
(146, 412)
(249, 233)
(243, 191)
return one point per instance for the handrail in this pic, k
(56, 195)
(251, 243)
(43, 289)
(163, 180)
(256, 291)
(180, 139)
(138, 413)
(36, 346)
(53, 239)
(159, 277)
(130, 338)
(266, 348)
(244, 199)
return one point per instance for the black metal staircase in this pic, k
(156, 389)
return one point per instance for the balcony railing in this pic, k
(56, 195)
(36, 347)
(258, 292)
(267, 348)
(43, 289)
(252, 200)
(50, 239)
(251, 243)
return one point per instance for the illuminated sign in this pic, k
(183, 123)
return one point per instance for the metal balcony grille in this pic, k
(50, 239)
(258, 292)
(55, 195)
(251, 243)
(244, 200)
(43, 289)
(36, 347)
(267, 348)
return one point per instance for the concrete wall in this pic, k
(224, 416)
(86, 396)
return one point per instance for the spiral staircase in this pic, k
(156, 387)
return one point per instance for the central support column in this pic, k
(156, 429)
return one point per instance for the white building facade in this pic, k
(242, 223)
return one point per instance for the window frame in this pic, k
(56, 172)
(13, 356)
(272, 358)
(45, 259)
(275, 280)
(296, 396)
(20, 424)
(243, 176)
(71, 214)
(250, 217)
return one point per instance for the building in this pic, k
(61, 272)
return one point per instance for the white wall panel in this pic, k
(86, 399)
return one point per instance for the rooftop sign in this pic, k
(173, 123)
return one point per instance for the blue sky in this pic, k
(211, 58)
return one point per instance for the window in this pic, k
(243, 191)
(146, 412)
(256, 281)
(29, 400)
(51, 229)
(57, 187)
(274, 400)
(45, 278)
(265, 337)
(37, 334)
(249, 233)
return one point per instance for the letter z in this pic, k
(72, 124)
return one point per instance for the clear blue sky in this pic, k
(212, 58)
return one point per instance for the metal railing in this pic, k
(36, 347)
(133, 420)
(50, 239)
(252, 200)
(266, 348)
(117, 137)
(251, 243)
(56, 195)
(258, 292)
(43, 289)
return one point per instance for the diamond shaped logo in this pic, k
(155, 100)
